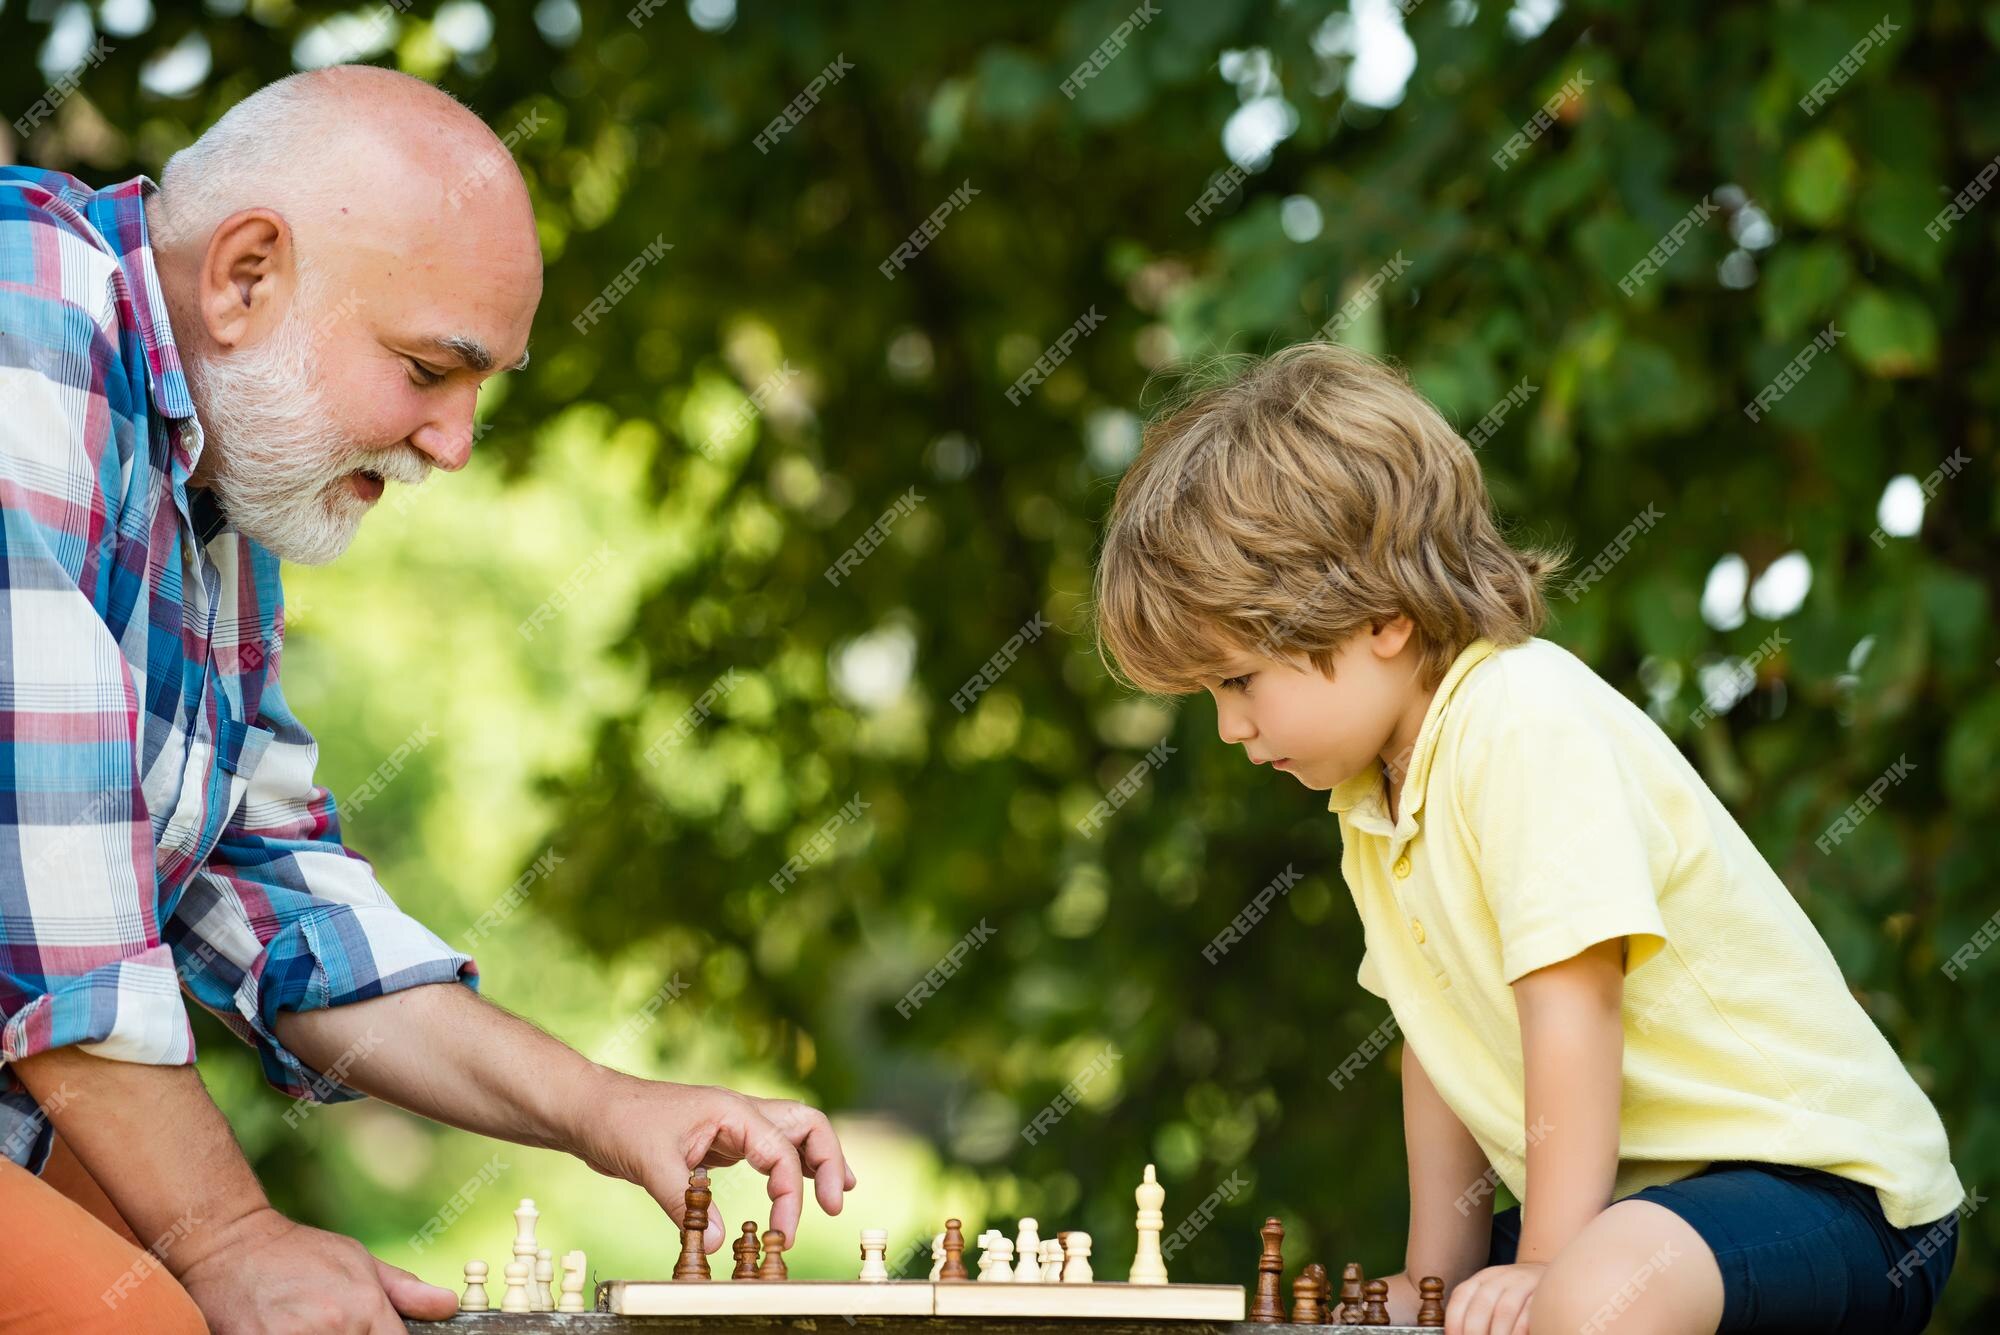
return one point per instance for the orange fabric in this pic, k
(64, 1271)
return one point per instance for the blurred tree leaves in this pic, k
(845, 684)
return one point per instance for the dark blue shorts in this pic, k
(1799, 1250)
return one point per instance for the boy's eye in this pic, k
(1235, 683)
(422, 374)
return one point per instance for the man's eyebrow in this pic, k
(469, 351)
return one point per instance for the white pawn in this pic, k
(985, 1244)
(572, 1283)
(516, 1299)
(874, 1246)
(1028, 1251)
(1148, 1266)
(937, 1257)
(1052, 1261)
(475, 1299)
(541, 1297)
(1076, 1268)
(1001, 1254)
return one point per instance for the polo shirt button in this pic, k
(1402, 867)
(1417, 930)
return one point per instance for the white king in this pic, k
(1148, 1266)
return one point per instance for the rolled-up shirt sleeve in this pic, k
(283, 917)
(82, 958)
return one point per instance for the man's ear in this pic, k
(248, 277)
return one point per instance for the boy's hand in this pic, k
(1494, 1301)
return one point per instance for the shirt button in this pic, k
(1402, 867)
(1417, 930)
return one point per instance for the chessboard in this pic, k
(803, 1298)
(606, 1323)
(1025, 1284)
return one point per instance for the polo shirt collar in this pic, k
(1365, 800)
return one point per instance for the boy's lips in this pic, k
(1281, 762)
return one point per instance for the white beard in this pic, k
(276, 461)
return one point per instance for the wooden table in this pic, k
(603, 1323)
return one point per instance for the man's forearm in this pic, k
(156, 1143)
(442, 1051)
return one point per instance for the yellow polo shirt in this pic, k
(1544, 813)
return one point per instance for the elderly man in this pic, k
(198, 380)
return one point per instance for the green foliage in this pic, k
(971, 818)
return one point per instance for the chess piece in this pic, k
(693, 1264)
(954, 1252)
(1076, 1258)
(996, 1262)
(475, 1299)
(572, 1283)
(937, 1256)
(774, 1256)
(874, 1246)
(1266, 1309)
(1327, 1313)
(1351, 1310)
(516, 1297)
(525, 1245)
(1305, 1297)
(1376, 1311)
(1052, 1261)
(1430, 1312)
(1028, 1253)
(1148, 1266)
(745, 1249)
(541, 1297)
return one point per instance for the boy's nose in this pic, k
(1233, 730)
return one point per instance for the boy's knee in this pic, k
(1639, 1268)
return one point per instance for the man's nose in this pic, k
(447, 438)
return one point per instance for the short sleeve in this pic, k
(1369, 976)
(1571, 852)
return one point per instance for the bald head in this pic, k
(361, 237)
(314, 145)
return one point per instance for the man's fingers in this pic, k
(819, 1150)
(412, 1296)
(770, 1153)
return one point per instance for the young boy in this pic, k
(1610, 1002)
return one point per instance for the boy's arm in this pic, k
(1451, 1195)
(1573, 1051)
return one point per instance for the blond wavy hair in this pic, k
(1314, 494)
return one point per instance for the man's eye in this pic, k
(422, 374)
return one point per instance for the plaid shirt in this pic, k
(159, 824)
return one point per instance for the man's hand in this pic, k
(443, 1052)
(265, 1275)
(651, 1133)
(1494, 1301)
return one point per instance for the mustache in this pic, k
(398, 465)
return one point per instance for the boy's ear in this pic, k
(1390, 636)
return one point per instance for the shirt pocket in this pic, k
(239, 750)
